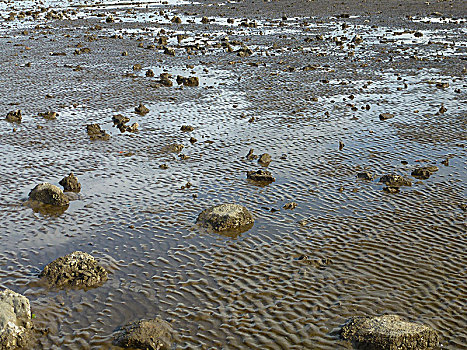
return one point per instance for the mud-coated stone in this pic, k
(70, 183)
(260, 176)
(14, 116)
(389, 332)
(394, 180)
(48, 194)
(424, 173)
(77, 269)
(155, 334)
(15, 321)
(96, 133)
(225, 217)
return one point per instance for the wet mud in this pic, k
(304, 82)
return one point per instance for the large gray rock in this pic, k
(77, 269)
(225, 217)
(15, 320)
(389, 332)
(155, 334)
(49, 194)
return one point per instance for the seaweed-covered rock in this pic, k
(77, 269)
(48, 194)
(155, 334)
(388, 332)
(15, 321)
(14, 116)
(70, 183)
(263, 176)
(96, 133)
(394, 180)
(225, 217)
(424, 173)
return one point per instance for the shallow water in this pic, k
(374, 252)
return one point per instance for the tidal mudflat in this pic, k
(338, 130)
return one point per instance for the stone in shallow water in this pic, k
(77, 269)
(155, 334)
(389, 332)
(14, 116)
(263, 176)
(395, 180)
(15, 321)
(424, 173)
(70, 183)
(225, 217)
(48, 194)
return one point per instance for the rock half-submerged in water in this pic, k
(424, 173)
(96, 133)
(225, 217)
(77, 269)
(395, 180)
(14, 116)
(155, 334)
(49, 194)
(260, 176)
(389, 332)
(70, 183)
(15, 321)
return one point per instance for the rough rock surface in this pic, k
(365, 175)
(96, 133)
(264, 159)
(77, 269)
(225, 217)
(15, 320)
(260, 176)
(14, 116)
(141, 109)
(155, 334)
(424, 172)
(394, 180)
(49, 194)
(389, 332)
(70, 183)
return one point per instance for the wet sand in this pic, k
(304, 89)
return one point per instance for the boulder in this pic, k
(155, 334)
(77, 269)
(96, 133)
(70, 183)
(225, 217)
(388, 332)
(15, 321)
(260, 176)
(14, 116)
(48, 194)
(424, 173)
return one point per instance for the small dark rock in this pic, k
(155, 334)
(365, 176)
(141, 109)
(187, 128)
(290, 205)
(260, 176)
(250, 155)
(150, 73)
(14, 116)
(386, 116)
(70, 183)
(96, 133)
(48, 115)
(264, 159)
(424, 172)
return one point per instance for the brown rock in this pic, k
(225, 217)
(14, 116)
(260, 176)
(70, 183)
(141, 109)
(155, 334)
(48, 194)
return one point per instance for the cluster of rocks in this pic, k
(120, 122)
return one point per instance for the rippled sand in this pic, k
(368, 252)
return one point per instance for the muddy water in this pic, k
(371, 252)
